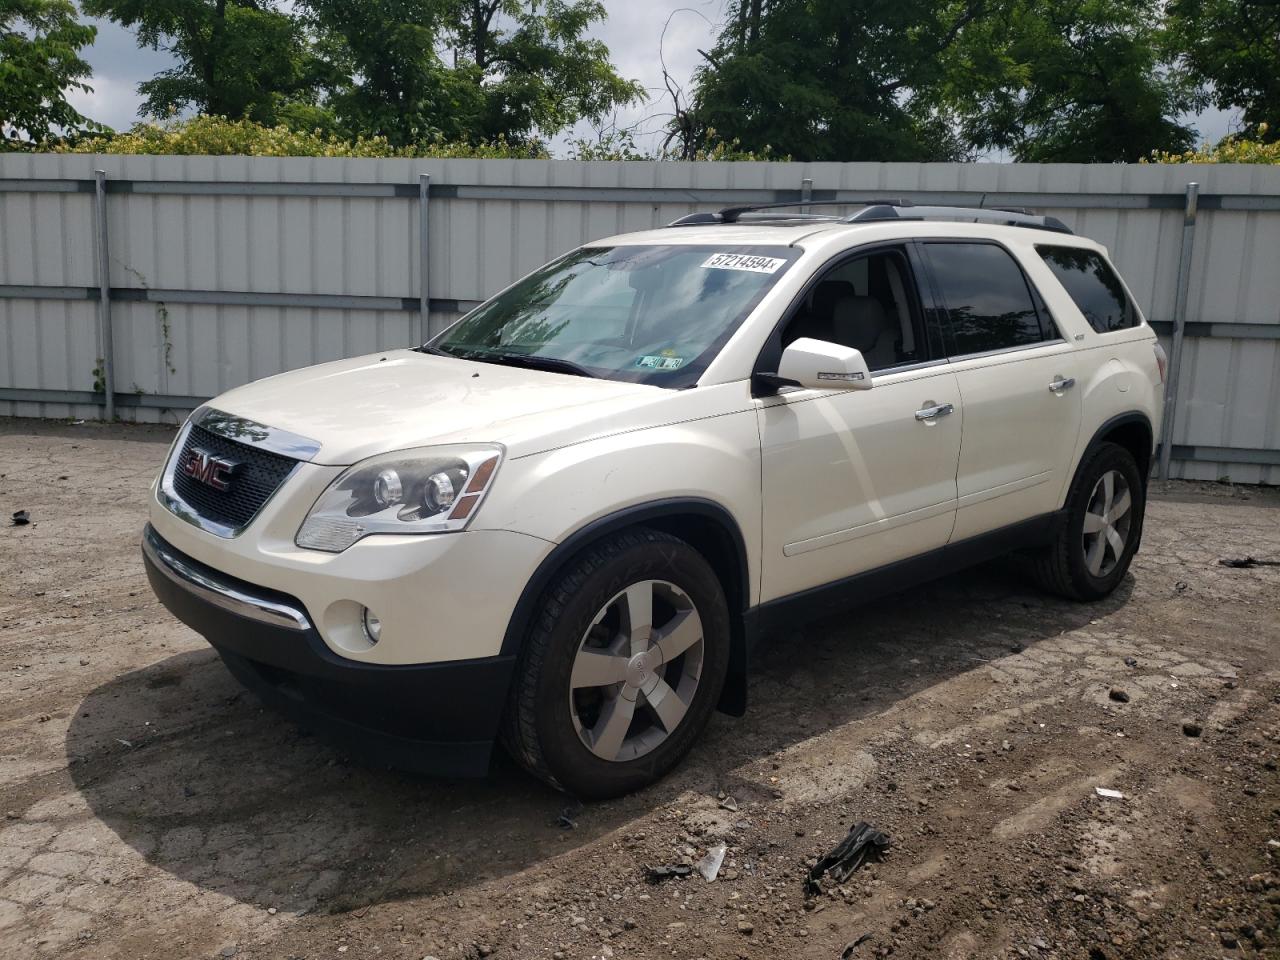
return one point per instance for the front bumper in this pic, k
(439, 718)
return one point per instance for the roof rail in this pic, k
(879, 210)
(1012, 217)
(733, 214)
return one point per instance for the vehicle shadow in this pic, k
(192, 772)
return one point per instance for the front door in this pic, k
(854, 480)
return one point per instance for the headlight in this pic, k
(427, 490)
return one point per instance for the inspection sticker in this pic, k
(743, 261)
(660, 363)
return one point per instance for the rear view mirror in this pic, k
(822, 365)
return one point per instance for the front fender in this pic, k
(553, 495)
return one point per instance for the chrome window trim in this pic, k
(221, 594)
(168, 496)
(1002, 351)
(907, 368)
(254, 434)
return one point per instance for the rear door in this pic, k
(1017, 378)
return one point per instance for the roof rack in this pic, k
(734, 214)
(878, 211)
(1009, 217)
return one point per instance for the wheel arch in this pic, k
(706, 526)
(1131, 430)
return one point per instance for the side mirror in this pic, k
(821, 365)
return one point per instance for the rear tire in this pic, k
(622, 667)
(1100, 528)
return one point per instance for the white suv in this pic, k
(564, 522)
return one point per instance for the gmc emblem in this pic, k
(212, 471)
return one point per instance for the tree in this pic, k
(1079, 81)
(518, 70)
(829, 79)
(383, 72)
(236, 58)
(1232, 46)
(40, 43)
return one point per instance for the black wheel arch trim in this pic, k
(733, 700)
(1120, 420)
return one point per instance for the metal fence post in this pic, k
(104, 296)
(424, 289)
(1179, 327)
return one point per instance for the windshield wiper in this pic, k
(533, 362)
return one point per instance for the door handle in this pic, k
(932, 411)
(1062, 383)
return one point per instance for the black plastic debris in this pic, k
(666, 871)
(853, 945)
(863, 843)
(1244, 563)
(568, 817)
(21, 518)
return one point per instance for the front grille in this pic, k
(259, 475)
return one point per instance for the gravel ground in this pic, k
(149, 808)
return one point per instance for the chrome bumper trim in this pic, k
(208, 586)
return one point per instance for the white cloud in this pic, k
(634, 33)
(119, 65)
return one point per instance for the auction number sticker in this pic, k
(660, 363)
(743, 261)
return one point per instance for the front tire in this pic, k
(1100, 529)
(622, 667)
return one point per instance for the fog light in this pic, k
(372, 626)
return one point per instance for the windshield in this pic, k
(646, 314)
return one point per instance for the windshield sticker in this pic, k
(743, 261)
(661, 363)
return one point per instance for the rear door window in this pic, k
(1093, 286)
(987, 303)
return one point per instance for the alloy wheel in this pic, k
(636, 671)
(1107, 522)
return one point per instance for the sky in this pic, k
(640, 34)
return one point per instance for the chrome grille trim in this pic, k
(250, 432)
(173, 501)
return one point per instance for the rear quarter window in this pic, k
(1093, 286)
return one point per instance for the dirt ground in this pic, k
(149, 808)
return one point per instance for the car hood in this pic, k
(399, 399)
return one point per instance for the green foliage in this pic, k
(828, 80)
(621, 145)
(1079, 81)
(40, 43)
(236, 58)
(218, 136)
(519, 69)
(1233, 47)
(1233, 149)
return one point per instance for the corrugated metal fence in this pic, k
(213, 271)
